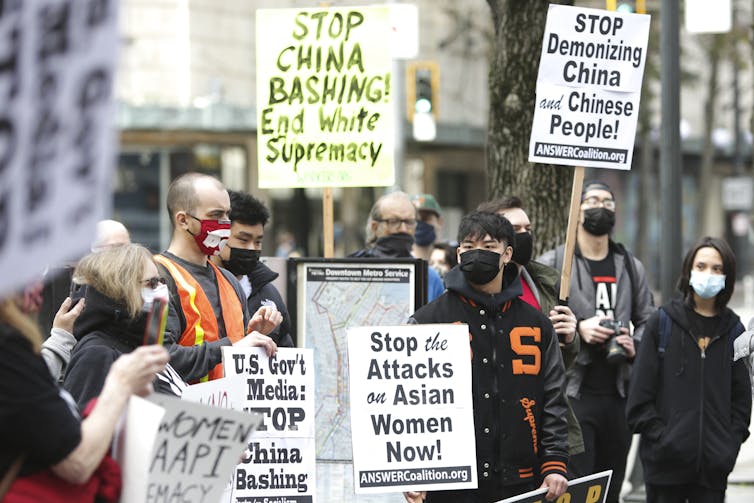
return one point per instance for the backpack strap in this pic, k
(666, 325)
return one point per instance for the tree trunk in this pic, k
(710, 220)
(546, 189)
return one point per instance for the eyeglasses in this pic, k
(395, 223)
(594, 202)
(154, 282)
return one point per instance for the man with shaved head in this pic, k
(110, 233)
(208, 308)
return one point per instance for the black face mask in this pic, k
(241, 261)
(480, 266)
(598, 221)
(523, 243)
(395, 245)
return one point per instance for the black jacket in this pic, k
(264, 293)
(692, 407)
(517, 379)
(104, 331)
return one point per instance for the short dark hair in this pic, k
(478, 224)
(500, 204)
(450, 253)
(596, 185)
(729, 269)
(246, 209)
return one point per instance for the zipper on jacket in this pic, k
(701, 415)
(703, 343)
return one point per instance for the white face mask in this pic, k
(149, 294)
(707, 285)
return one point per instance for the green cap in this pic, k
(426, 202)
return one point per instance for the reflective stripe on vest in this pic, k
(201, 323)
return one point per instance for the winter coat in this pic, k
(544, 282)
(692, 406)
(519, 407)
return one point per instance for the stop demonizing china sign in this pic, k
(588, 88)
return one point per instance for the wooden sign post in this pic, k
(587, 102)
(570, 242)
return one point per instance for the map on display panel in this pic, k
(332, 297)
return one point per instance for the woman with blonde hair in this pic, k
(47, 453)
(120, 284)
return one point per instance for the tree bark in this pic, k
(545, 189)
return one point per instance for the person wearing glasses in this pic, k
(390, 234)
(608, 292)
(117, 284)
(207, 305)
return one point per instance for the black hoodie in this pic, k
(104, 331)
(692, 406)
(263, 293)
(517, 371)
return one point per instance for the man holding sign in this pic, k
(517, 371)
(608, 291)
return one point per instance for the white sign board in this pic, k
(588, 88)
(279, 463)
(703, 16)
(57, 142)
(134, 445)
(411, 408)
(193, 453)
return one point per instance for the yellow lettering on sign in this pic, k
(593, 494)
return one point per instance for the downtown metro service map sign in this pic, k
(588, 88)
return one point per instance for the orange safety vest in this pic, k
(201, 323)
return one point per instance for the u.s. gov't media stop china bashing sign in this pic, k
(588, 88)
(324, 97)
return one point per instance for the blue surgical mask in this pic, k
(707, 285)
(425, 234)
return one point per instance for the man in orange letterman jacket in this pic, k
(207, 306)
(516, 367)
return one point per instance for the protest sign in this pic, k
(589, 489)
(588, 88)
(279, 461)
(194, 451)
(324, 97)
(411, 408)
(133, 446)
(56, 131)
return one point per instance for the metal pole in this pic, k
(738, 161)
(399, 106)
(670, 148)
